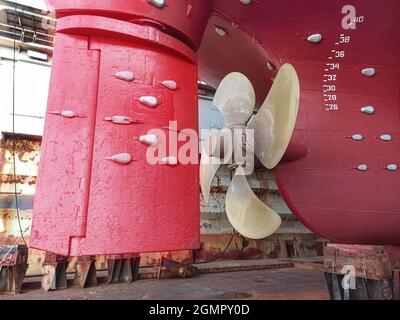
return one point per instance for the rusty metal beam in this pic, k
(376, 277)
(13, 266)
(171, 269)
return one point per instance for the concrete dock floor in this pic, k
(276, 284)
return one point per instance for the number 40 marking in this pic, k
(350, 19)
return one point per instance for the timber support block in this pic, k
(358, 272)
(123, 268)
(13, 266)
(54, 272)
(85, 275)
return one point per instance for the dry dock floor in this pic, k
(272, 284)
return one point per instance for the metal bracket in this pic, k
(85, 275)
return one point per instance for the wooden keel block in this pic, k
(54, 272)
(14, 263)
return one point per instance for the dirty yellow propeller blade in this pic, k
(208, 168)
(217, 150)
(235, 98)
(248, 214)
(218, 144)
(275, 121)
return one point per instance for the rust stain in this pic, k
(20, 145)
(19, 179)
(275, 247)
(27, 154)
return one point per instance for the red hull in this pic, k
(323, 187)
(319, 181)
(85, 203)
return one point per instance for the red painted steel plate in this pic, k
(184, 19)
(323, 188)
(85, 203)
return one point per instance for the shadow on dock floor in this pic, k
(273, 284)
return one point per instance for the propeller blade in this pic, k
(208, 168)
(248, 214)
(235, 98)
(218, 144)
(217, 150)
(274, 123)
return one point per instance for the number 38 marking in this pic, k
(344, 39)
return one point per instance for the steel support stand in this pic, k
(123, 268)
(85, 275)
